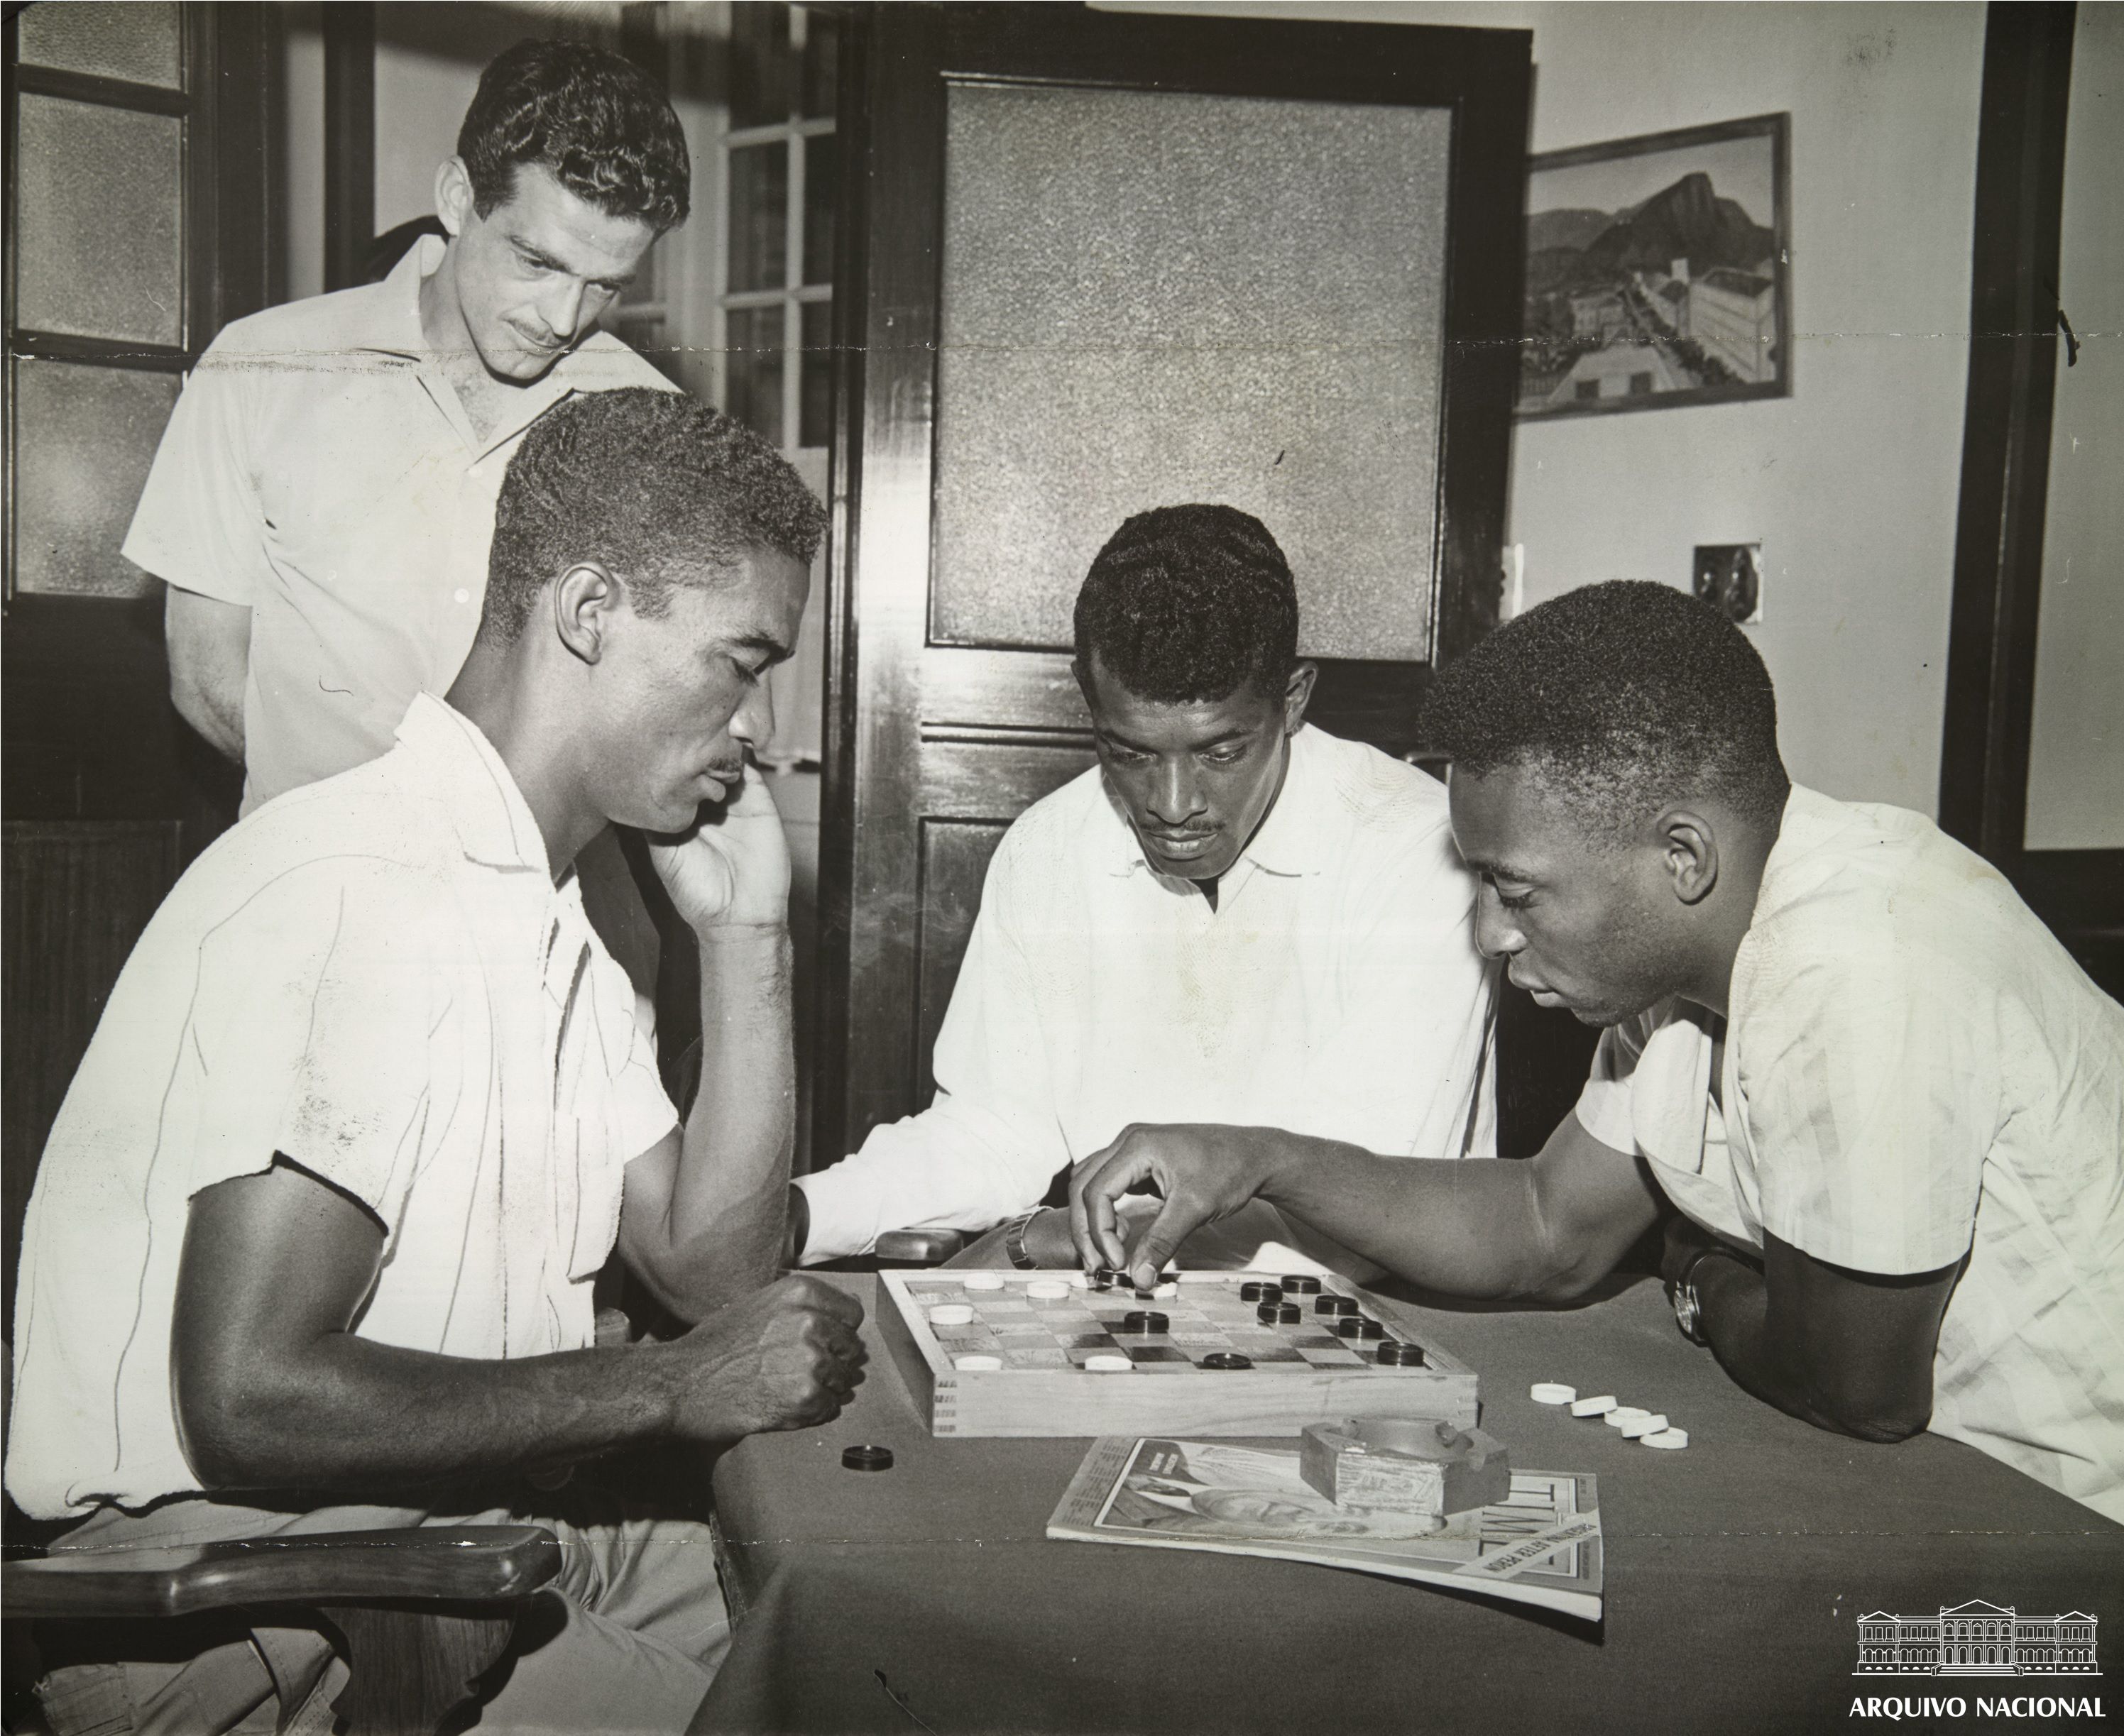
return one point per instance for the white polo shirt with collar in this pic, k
(320, 470)
(376, 978)
(1916, 1072)
(1334, 991)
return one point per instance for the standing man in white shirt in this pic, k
(1234, 914)
(1888, 1103)
(322, 499)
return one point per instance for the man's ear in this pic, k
(454, 204)
(1297, 695)
(584, 599)
(1688, 848)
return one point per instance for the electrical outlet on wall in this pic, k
(1729, 576)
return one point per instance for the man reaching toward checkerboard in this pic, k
(1234, 913)
(1887, 1103)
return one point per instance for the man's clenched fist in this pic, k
(786, 1356)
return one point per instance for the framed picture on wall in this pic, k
(1658, 272)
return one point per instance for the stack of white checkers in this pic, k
(1649, 1426)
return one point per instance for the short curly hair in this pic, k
(1620, 698)
(1187, 603)
(653, 485)
(592, 117)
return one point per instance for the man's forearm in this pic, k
(1463, 1229)
(209, 642)
(354, 1415)
(729, 1207)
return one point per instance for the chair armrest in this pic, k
(464, 1563)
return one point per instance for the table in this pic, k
(927, 1596)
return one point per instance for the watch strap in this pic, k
(1013, 1241)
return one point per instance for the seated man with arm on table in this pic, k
(312, 1242)
(1888, 1104)
(1233, 914)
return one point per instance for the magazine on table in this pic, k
(1542, 1546)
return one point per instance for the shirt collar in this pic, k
(1809, 821)
(388, 319)
(1289, 840)
(494, 823)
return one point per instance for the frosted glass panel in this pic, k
(99, 209)
(85, 437)
(1150, 298)
(135, 41)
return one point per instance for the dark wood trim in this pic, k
(113, 93)
(829, 1034)
(350, 47)
(242, 161)
(2006, 428)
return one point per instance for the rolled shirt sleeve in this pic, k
(1872, 1092)
(311, 1027)
(199, 524)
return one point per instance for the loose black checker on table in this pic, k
(867, 1458)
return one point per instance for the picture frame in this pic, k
(1658, 272)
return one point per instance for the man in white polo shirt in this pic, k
(321, 501)
(1889, 1106)
(1233, 914)
(312, 1243)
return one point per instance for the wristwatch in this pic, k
(1688, 1306)
(1013, 1241)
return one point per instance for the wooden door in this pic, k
(1093, 263)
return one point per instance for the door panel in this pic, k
(1098, 262)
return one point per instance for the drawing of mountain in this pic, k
(1575, 228)
(1687, 221)
(1575, 248)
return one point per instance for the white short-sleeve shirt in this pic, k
(1915, 1071)
(1334, 991)
(320, 470)
(376, 978)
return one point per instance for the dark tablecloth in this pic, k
(927, 1596)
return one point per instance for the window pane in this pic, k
(100, 197)
(814, 385)
(762, 69)
(822, 55)
(822, 193)
(87, 437)
(135, 41)
(758, 216)
(752, 390)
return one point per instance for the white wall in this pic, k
(2076, 750)
(1850, 484)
